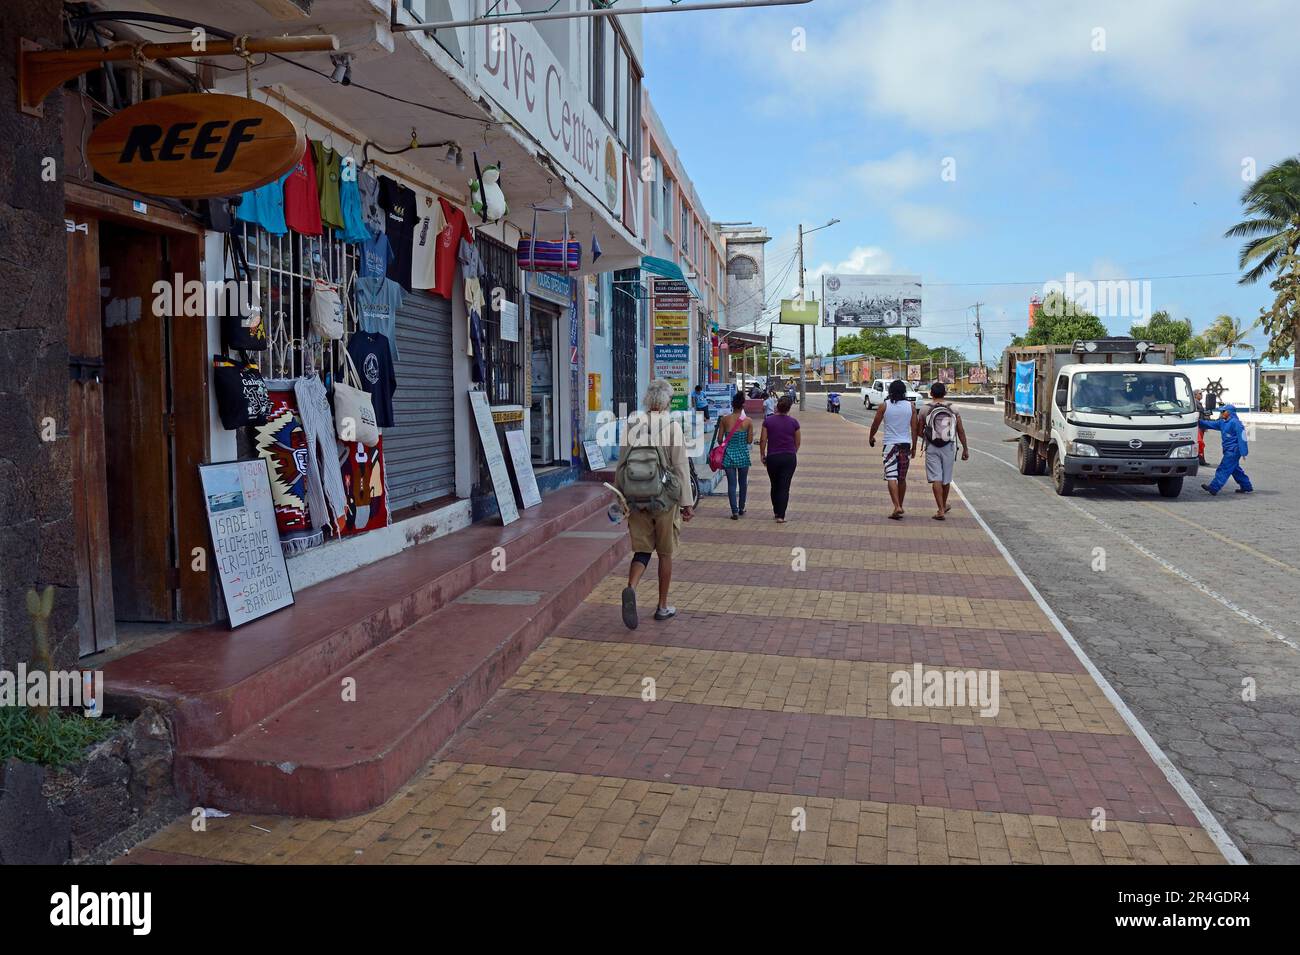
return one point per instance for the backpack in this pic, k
(646, 479)
(940, 426)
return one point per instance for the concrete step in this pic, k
(215, 682)
(323, 756)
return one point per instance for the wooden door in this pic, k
(86, 431)
(137, 447)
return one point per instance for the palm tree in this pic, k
(1225, 333)
(1272, 230)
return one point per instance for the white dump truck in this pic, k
(1105, 410)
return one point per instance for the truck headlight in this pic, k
(1079, 449)
(1184, 451)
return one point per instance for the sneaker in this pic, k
(629, 608)
(665, 613)
(1206, 487)
(735, 516)
(1245, 490)
(1202, 462)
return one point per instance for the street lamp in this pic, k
(802, 362)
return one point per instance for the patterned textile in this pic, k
(897, 457)
(363, 480)
(283, 444)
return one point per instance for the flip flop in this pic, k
(937, 517)
(896, 516)
(629, 608)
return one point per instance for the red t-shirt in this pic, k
(448, 252)
(301, 200)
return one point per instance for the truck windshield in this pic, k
(1132, 393)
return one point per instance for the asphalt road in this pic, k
(1188, 606)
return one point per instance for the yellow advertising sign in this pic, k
(672, 336)
(593, 391)
(795, 312)
(671, 320)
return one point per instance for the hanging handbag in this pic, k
(241, 393)
(354, 410)
(326, 310)
(720, 450)
(244, 330)
(547, 255)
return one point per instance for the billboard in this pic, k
(872, 301)
(1025, 387)
(796, 312)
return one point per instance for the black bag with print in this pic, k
(242, 325)
(241, 392)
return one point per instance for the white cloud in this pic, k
(927, 223)
(896, 174)
(862, 259)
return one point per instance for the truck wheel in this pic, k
(1063, 483)
(1026, 457)
(1170, 487)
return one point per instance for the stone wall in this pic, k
(36, 518)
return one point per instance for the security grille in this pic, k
(504, 383)
(624, 309)
(1121, 449)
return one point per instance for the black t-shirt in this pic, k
(374, 360)
(398, 204)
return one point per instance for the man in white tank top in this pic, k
(896, 413)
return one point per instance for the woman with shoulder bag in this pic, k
(739, 431)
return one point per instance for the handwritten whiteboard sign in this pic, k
(245, 541)
(595, 456)
(496, 462)
(522, 458)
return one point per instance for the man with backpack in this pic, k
(654, 477)
(940, 425)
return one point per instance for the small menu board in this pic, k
(245, 540)
(521, 456)
(496, 462)
(595, 456)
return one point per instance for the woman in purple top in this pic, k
(778, 449)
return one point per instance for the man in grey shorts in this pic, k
(941, 432)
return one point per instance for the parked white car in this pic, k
(875, 393)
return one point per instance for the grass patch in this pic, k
(57, 739)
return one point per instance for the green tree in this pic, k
(1166, 330)
(1059, 323)
(1272, 231)
(1225, 334)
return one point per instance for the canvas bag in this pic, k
(245, 331)
(646, 480)
(326, 310)
(354, 411)
(548, 255)
(241, 393)
(940, 426)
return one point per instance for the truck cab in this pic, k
(1103, 421)
(875, 393)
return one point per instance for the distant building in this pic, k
(746, 274)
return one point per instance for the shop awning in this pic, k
(668, 270)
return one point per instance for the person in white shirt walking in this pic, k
(897, 415)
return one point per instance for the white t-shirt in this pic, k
(429, 222)
(898, 422)
(769, 404)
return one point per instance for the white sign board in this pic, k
(496, 462)
(516, 67)
(522, 458)
(595, 456)
(871, 301)
(245, 539)
(509, 321)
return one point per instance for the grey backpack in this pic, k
(646, 479)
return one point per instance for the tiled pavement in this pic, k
(761, 724)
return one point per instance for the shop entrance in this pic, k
(138, 419)
(544, 321)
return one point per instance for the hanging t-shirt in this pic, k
(399, 204)
(374, 216)
(354, 223)
(264, 206)
(429, 223)
(373, 357)
(449, 246)
(377, 301)
(327, 184)
(376, 256)
(301, 203)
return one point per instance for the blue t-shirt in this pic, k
(264, 206)
(377, 301)
(354, 224)
(376, 254)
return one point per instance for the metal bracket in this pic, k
(84, 369)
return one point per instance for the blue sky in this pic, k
(1106, 139)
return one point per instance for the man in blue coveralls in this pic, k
(1232, 433)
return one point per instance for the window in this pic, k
(655, 191)
(686, 228)
(504, 358)
(668, 205)
(597, 64)
(620, 90)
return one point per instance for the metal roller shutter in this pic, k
(420, 448)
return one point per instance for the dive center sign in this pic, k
(195, 146)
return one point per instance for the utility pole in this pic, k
(979, 337)
(802, 361)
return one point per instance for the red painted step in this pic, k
(215, 682)
(322, 757)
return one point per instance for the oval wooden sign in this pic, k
(195, 146)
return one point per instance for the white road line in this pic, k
(1176, 571)
(1176, 778)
